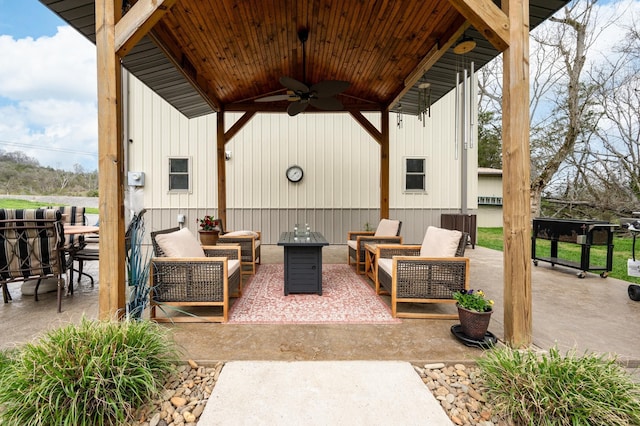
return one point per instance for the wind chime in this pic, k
(424, 102)
(464, 95)
(399, 116)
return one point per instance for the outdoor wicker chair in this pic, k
(186, 274)
(249, 242)
(387, 232)
(31, 247)
(427, 273)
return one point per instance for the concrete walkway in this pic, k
(312, 393)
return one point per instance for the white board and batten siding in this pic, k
(340, 190)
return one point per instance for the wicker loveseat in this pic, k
(31, 247)
(427, 273)
(249, 242)
(185, 274)
(387, 232)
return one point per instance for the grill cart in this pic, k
(585, 233)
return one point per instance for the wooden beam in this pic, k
(238, 125)
(367, 125)
(222, 170)
(138, 21)
(429, 60)
(515, 178)
(487, 19)
(384, 165)
(111, 296)
(282, 107)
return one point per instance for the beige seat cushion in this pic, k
(440, 242)
(232, 266)
(385, 264)
(387, 228)
(353, 244)
(181, 243)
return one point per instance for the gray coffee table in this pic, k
(302, 262)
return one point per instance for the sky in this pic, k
(48, 106)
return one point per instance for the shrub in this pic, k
(551, 389)
(94, 373)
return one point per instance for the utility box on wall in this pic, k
(461, 222)
(135, 178)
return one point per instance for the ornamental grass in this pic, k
(555, 389)
(94, 373)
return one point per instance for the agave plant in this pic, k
(138, 260)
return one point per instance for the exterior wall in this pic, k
(340, 190)
(490, 185)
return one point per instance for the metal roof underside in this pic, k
(148, 62)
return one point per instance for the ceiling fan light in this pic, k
(467, 44)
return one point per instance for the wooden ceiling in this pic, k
(234, 51)
(239, 50)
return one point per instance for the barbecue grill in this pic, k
(585, 233)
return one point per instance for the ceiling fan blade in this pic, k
(329, 104)
(293, 84)
(327, 88)
(296, 108)
(274, 98)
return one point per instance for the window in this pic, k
(415, 176)
(179, 176)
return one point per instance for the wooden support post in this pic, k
(111, 300)
(384, 165)
(515, 181)
(222, 171)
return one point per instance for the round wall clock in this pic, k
(294, 174)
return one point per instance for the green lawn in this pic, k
(11, 203)
(492, 238)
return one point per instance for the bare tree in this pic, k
(564, 44)
(562, 98)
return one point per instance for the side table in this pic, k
(370, 264)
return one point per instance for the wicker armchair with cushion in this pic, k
(387, 232)
(31, 247)
(186, 274)
(427, 273)
(249, 242)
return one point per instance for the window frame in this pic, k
(188, 173)
(406, 173)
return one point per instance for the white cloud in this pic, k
(613, 21)
(48, 107)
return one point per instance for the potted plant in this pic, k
(474, 312)
(209, 230)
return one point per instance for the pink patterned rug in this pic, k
(346, 298)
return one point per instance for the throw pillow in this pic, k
(387, 228)
(440, 242)
(242, 234)
(181, 243)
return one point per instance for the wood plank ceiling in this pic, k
(235, 51)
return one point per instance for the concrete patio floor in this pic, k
(590, 314)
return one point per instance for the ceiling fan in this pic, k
(320, 95)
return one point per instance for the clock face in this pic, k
(294, 173)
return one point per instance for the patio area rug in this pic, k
(346, 298)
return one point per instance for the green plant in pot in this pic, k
(474, 312)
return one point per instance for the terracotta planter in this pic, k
(474, 324)
(209, 238)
